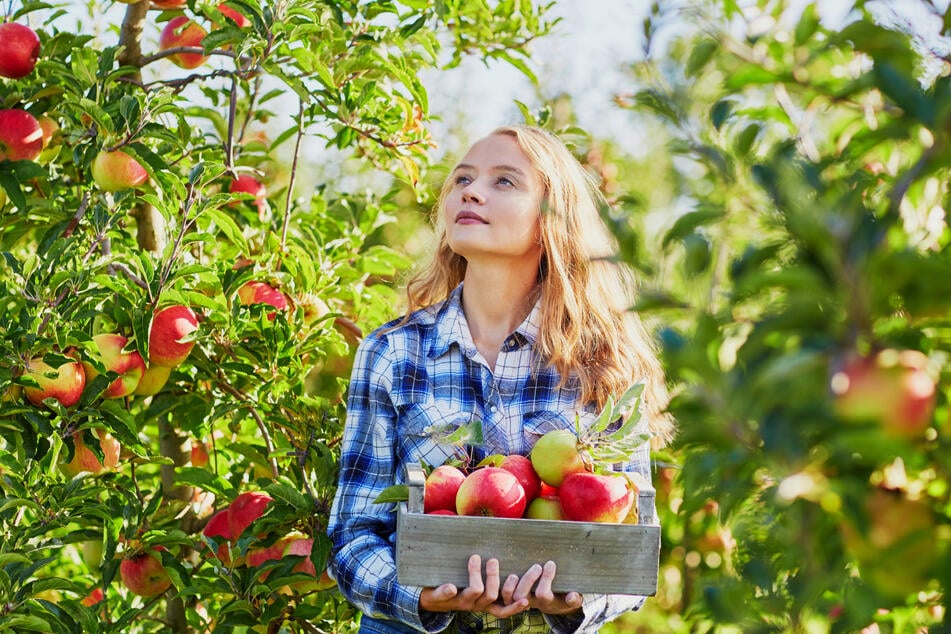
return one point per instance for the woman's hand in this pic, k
(491, 596)
(479, 596)
(516, 590)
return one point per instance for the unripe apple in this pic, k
(313, 306)
(544, 508)
(182, 31)
(169, 335)
(491, 492)
(21, 137)
(247, 184)
(116, 171)
(129, 365)
(556, 455)
(85, 460)
(143, 574)
(64, 383)
(246, 508)
(51, 138)
(262, 293)
(439, 491)
(892, 388)
(590, 497)
(153, 380)
(19, 50)
(91, 552)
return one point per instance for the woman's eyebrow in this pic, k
(495, 168)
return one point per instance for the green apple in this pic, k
(556, 455)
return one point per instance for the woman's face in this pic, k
(492, 210)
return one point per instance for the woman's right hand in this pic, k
(479, 596)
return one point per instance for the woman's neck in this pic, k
(495, 303)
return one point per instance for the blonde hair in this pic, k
(587, 329)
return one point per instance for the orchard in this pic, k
(184, 283)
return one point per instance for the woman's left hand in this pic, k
(542, 599)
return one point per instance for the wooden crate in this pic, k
(591, 557)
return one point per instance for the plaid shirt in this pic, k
(409, 385)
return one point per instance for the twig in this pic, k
(290, 186)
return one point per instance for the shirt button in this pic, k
(493, 409)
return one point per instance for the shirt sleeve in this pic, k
(363, 533)
(598, 609)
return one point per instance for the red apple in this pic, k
(198, 453)
(556, 455)
(85, 460)
(49, 127)
(169, 335)
(128, 365)
(247, 184)
(289, 545)
(181, 31)
(892, 388)
(547, 491)
(262, 293)
(238, 18)
(64, 383)
(441, 512)
(218, 529)
(521, 467)
(21, 137)
(246, 508)
(439, 491)
(544, 508)
(116, 171)
(144, 575)
(166, 4)
(95, 596)
(19, 50)
(153, 380)
(491, 492)
(590, 497)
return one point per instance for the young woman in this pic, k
(521, 320)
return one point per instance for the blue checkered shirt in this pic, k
(409, 385)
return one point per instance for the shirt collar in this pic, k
(451, 327)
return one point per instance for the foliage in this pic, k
(813, 159)
(261, 391)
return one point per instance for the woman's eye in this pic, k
(505, 180)
(462, 180)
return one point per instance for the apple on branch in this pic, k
(245, 509)
(239, 19)
(19, 50)
(218, 529)
(247, 184)
(491, 492)
(65, 383)
(21, 137)
(183, 32)
(116, 171)
(129, 365)
(170, 334)
(262, 293)
(143, 573)
(86, 460)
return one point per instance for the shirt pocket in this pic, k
(426, 430)
(537, 424)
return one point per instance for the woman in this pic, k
(520, 321)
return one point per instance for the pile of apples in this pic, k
(556, 481)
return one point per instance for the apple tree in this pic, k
(180, 297)
(800, 284)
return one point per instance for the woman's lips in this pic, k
(469, 218)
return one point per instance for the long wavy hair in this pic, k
(587, 328)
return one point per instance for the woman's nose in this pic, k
(471, 194)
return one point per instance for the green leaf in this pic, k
(394, 494)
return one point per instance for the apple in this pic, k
(49, 127)
(246, 508)
(65, 383)
(169, 343)
(19, 50)
(441, 512)
(892, 388)
(547, 491)
(116, 171)
(153, 380)
(218, 529)
(183, 32)
(166, 4)
(491, 492)
(21, 137)
(85, 459)
(91, 552)
(556, 455)
(544, 508)
(313, 306)
(95, 596)
(143, 574)
(591, 497)
(247, 184)
(262, 293)
(130, 366)
(239, 19)
(289, 545)
(198, 453)
(521, 467)
(439, 491)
